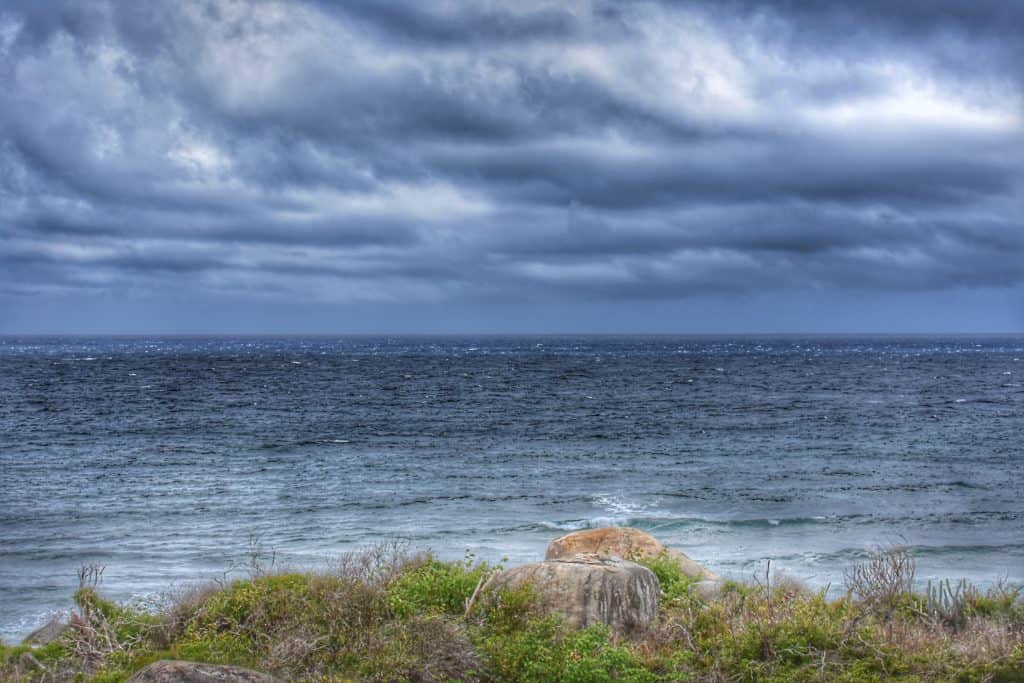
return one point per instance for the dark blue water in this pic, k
(160, 458)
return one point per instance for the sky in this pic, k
(726, 166)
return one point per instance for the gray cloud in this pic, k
(459, 24)
(360, 152)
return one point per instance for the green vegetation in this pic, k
(387, 615)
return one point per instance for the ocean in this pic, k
(171, 460)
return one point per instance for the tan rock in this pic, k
(585, 590)
(626, 543)
(171, 671)
(47, 633)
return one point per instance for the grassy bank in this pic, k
(388, 615)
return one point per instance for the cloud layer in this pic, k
(508, 152)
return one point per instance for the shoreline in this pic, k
(158, 591)
(465, 606)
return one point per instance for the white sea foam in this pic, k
(21, 626)
(619, 507)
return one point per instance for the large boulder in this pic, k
(171, 671)
(632, 544)
(585, 590)
(47, 633)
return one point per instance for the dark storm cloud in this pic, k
(458, 24)
(670, 175)
(986, 20)
(458, 151)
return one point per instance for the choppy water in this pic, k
(160, 458)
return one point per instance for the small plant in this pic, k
(103, 632)
(949, 603)
(90, 575)
(674, 583)
(380, 564)
(884, 582)
(953, 605)
(261, 561)
(1002, 600)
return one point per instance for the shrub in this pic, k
(1002, 600)
(543, 651)
(437, 587)
(105, 635)
(885, 582)
(421, 648)
(508, 610)
(675, 585)
(951, 604)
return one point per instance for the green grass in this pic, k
(388, 616)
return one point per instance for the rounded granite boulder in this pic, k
(49, 632)
(587, 589)
(632, 544)
(624, 542)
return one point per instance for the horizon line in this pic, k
(100, 335)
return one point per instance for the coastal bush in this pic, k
(744, 635)
(107, 638)
(437, 587)
(955, 604)
(544, 651)
(884, 583)
(507, 611)
(675, 585)
(391, 615)
(431, 647)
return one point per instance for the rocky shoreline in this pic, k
(621, 586)
(587, 578)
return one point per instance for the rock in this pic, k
(624, 542)
(47, 633)
(171, 671)
(587, 589)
